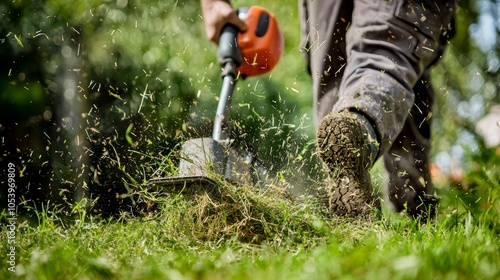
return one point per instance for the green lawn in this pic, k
(254, 234)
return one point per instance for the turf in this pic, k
(247, 233)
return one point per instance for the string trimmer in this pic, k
(241, 54)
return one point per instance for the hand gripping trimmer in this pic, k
(241, 54)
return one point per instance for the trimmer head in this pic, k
(204, 158)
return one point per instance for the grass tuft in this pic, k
(247, 214)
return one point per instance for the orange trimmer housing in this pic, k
(261, 44)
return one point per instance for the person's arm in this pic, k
(216, 13)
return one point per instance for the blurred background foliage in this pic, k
(96, 96)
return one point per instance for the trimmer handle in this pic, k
(253, 52)
(229, 50)
(230, 57)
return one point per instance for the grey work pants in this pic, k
(373, 57)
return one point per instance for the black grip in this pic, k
(228, 46)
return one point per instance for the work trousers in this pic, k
(373, 57)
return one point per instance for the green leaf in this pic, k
(18, 39)
(127, 134)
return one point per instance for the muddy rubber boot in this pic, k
(347, 146)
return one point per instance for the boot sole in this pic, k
(340, 140)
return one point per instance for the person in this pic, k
(369, 61)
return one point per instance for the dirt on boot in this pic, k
(344, 148)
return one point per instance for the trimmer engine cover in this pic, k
(261, 43)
